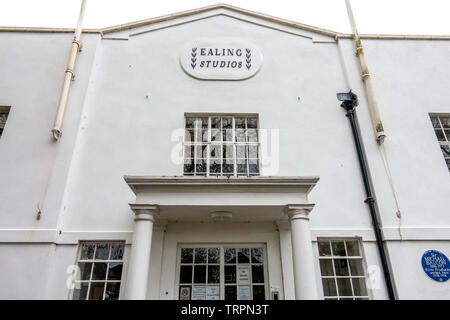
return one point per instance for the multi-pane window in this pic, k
(441, 125)
(100, 271)
(342, 270)
(221, 146)
(244, 274)
(4, 111)
(200, 274)
(222, 272)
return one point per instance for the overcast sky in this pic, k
(372, 16)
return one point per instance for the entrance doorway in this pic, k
(222, 272)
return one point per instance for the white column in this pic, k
(302, 253)
(139, 264)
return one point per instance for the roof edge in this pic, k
(285, 22)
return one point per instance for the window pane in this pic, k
(85, 270)
(201, 151)
(186, 274)
(257, 255)
(241, 151)
(344, 286)
(359, 286)
(240, 135)
(102, 252)
(188, 166)
(112, 291)
(338, 248)
(257, 274)
(329, 287)
(239, 123)
(215, 123)
(117, 251)
(447, 134)
(190, 122)
(230, 255)
(189, 136)
(324, 248)
(352, 248)
(445, 122)
(99, 272)
(115, 271)
(200, 166)
(216, 135)
(243, 255)
(356, 267)
(252, 135)
(213, 255)
(341, 267)
(435, 122)
(230, 274)
(253, 166)
(258, 293)
(326, 267)
(227, 152)
(186, 255)
(439, 134)
(228, 166)
(241, 166)
(96, 291)
(230, 292)
(87, 251)
(213, 274)
(200, 255)
(252, 123)
(227, 123)
(81, 293)
(215, 166)
(445, 151)
(227, 135)
(215, 151)
(199, 274)
(253, 151)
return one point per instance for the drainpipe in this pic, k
(68, 76)
(349, 105)
(372, 102)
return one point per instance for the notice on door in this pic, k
(185, 293)
(198, 292)
(243, 275)
(244, 293)
(212, 292)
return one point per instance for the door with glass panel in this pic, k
(222, 272)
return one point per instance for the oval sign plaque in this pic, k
(436, 265)
(220, 59)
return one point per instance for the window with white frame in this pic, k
(221, 145)
(342, 270)
(222, 273)
(441, 125)
(100, 271)
(4, 112)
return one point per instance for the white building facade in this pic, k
(205, 156)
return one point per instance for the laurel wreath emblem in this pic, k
(194, 58)
(248, 59)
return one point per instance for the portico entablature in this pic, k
(195, 198)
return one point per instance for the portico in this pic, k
(212, 200)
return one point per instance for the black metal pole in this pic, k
(349, 106)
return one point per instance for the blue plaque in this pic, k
(436, 265)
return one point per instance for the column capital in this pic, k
(144, 211)
(299, 211)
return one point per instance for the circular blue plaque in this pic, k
(436, 265)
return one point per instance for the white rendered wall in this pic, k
(112, 129)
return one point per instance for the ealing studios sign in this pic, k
(221, 59)
(436, 265)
